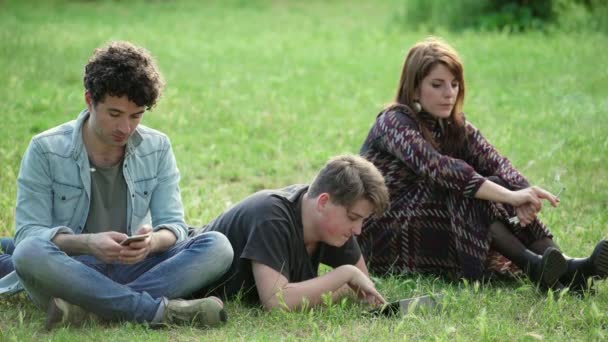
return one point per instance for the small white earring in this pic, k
(417, 106)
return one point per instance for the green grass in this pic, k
(260, 94)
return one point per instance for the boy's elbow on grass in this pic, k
(270, 304)
(276, 303)
(286, 303)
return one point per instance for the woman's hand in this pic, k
(532, 196)
(528, 203)
(526, 214)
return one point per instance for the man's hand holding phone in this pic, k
(105, 246)
(137, 247)
(134, 238)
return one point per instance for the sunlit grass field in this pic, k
(261, 93)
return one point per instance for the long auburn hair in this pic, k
(420, 61)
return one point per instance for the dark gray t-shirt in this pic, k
(108, 207)
(266, 227)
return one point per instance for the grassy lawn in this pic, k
(260, 93)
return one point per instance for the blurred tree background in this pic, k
(507, 15)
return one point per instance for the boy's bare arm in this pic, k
(274, 289)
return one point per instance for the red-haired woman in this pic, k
(452, 193)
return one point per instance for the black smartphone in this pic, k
(408, 305)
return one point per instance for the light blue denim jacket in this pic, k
(54, 185)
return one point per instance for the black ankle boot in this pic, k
(546, 271)
(579, 270)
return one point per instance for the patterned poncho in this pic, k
(434, 224)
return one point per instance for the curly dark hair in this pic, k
(120, 69)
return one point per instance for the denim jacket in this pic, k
(54, 185)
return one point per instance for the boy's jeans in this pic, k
(116, 291)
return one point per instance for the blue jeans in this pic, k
(136, 292)
(6, 261)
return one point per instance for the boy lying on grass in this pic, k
(281, 236)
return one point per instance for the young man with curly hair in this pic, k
(86, 185)
(281, 236)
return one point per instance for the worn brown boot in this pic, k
(205, 312)
(61, 314)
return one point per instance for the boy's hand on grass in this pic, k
(365, 288)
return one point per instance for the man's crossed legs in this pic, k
(141, 292)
